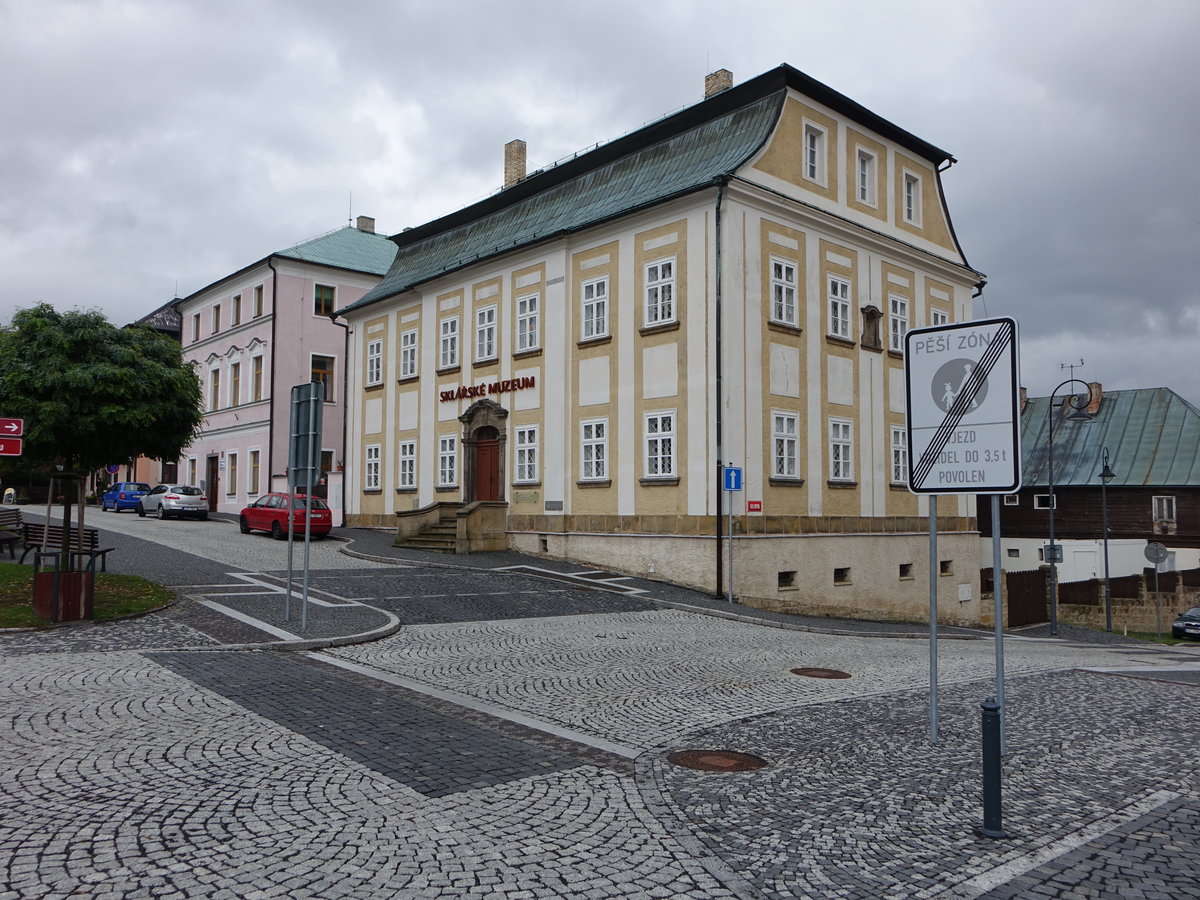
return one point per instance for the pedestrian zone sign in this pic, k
(964, 419)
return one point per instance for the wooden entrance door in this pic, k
(214, 482)
(487, 469)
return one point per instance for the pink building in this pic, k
(256, 333)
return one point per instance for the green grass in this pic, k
(116, 595)
(1164, 639)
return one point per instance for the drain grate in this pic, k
(820, 673)
(716, 760)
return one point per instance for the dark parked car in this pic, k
(270, 513)
(171, 500)
(124, 495)
(1187, 625)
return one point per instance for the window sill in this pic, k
(839, 341)
(481, 365)
(785, 482)
(599, 483)
(902, 488)
(874, 348)
(527, 354)
(411, 379)
(449, 370)
(659, 328)
(406, 490)
(526, 484)
(784, 328)
(663, 481)
(372, 490)
(594, 341)
(842, 485)
(446, 489)
(372, 388)
(896, 354)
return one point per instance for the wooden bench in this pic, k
(12, 529)
(38, 533)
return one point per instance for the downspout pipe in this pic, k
(718, 418)
(271, 386)
(333, 317)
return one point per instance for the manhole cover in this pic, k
(820, 673)
(716, 760)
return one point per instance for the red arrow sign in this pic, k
(12, 427)
(10, 446)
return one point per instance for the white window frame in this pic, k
(254, 480)
(838, 293)
(406, 474)
(1163, 504)
(331, 386)
(593, 299)
(938, 316)
(899, 455)
(448, 342)
(1042, 501)
(258, 300)
(783, 292)
(485, 333)
(910, 198)
(841, 450)
(374, 362)
(785, 444)
(528, 322)
(814, 151)
(527, 455)
(447, 460)
(897, 321)
(214, 389)
(372, 469)
(659, 446)
(659, 307)
(231, 474)
(866, 177)
(408, 353)
(593, 450)
(216, 318)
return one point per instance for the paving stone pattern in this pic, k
(395, 732)
(874, 810)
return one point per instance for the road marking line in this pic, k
(250, 620)
(497, 712)
(1006, 872)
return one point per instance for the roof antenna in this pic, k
(1071, 367)
(350, 210)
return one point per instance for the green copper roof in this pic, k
(677, 165)
(346, 248)
(1152, 436)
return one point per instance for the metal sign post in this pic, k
(304, 467)
(733, 483)
(1156, 553)
(963, 402)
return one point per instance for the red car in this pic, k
(270, 513)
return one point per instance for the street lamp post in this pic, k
(1078, 412)
(1106, 475)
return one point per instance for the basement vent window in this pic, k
(946, 567)
(1014, 553)
(841, 576)
(545, 543)
(906, 570)
(787, 580)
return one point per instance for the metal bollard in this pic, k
(991, 769)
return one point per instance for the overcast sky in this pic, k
(150, 147)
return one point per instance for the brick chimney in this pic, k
(514, 162)
(720, 80)
(1095, 395)
(366, 223)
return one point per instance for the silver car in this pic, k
(168, 500)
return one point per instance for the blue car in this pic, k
(124, 495)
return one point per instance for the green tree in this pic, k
(91, 393)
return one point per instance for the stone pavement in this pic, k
(509, 740)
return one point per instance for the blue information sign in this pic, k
(733, 478)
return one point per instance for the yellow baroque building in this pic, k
(565, 367)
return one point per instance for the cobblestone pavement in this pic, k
(510, 741)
